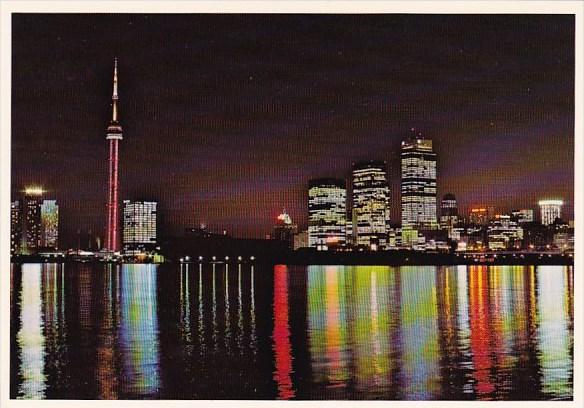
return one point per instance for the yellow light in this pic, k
(33, 191)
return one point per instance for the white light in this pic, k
(33, 191)
(239, 258)
(200, 258)
(214, 257)
(182, 259)
(252, 257)
(187, 258)
(551, 202)
(227, 258)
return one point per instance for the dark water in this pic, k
(319, 332)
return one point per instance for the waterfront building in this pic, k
(114, 135)
(285, 229)
(502, 233)
(522, 216)
(31, 223)
(49, 224)
(448, 213)
(15, 227)
(139, 226)
(327, 213)
(550, 210)
(371, 204)
(418, 184)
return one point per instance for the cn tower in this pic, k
(114, 135)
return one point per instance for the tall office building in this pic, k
(550, 210)
(371, 210)
(139, 226)
(49, 224)
(418, 184)
(31, 223)
(326, 213)
(448, 213)
(15, 227)
(114, 135)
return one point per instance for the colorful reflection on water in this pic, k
(317, 332)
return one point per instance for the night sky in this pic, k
(226, 117)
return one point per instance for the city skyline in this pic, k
(263, 169)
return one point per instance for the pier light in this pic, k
(187, 258)
(239, 258)
(214, 258)
(252, 258)
(181, 260)
(227, 258)
(200, 257)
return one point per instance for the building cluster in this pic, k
(358, 218)
(34, 222)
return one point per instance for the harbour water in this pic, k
(216, 331)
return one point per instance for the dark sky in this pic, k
(226, 117)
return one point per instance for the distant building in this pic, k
(522, 216)
(504, 234)
(31, 225)
(301, 240)
(418, 184)
(326, 213)
(371, 209)
(139, 226)
(550, 210)
(284, 230)
(478, 216)
(49, 224)
(448, 213)
(15, 227)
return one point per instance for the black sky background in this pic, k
(226, 117)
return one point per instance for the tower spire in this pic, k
(115, 93)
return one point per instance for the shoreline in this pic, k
(304, 258)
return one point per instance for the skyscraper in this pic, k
(15, 227)
(114, 135)
(550, 210)
(49, 224)
(139, 228)
(448, 212)
(326, 213)
(371, 210)
(31, 226)
(418, 184)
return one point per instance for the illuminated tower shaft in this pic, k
(114, 135)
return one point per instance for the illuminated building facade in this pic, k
(478, 216)
(15, 227)
(326, 213)
(550, 210)
(139, 228)
(371, 210)
(504, 234)
(521, 216)
(448, 213)
(418, 184)
(284, 230)
(31, 226)
(49, 224)
(114, 135)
